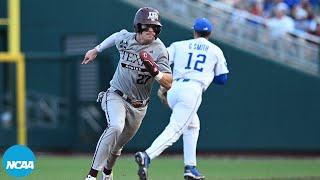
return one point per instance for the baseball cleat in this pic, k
(89, 177)
(107, 177)
(143, 161)
(191, 173)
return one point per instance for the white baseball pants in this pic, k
(184, 98)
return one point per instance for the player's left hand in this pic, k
(149, 63)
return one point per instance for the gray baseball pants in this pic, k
(123, 122)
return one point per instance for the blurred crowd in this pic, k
(284, 30)
(300, 19)
(284, 15)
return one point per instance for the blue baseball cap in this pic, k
(202, 24)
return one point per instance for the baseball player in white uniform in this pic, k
(143, 58)
(197, 62)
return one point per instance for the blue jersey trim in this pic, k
(221, 79)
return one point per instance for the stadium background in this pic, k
(266, 107)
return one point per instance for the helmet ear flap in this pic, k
(138, 28)
(158, 30)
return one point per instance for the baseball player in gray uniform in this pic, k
(143, 58)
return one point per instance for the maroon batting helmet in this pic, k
(147, 16)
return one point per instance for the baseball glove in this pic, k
(149, 63)
(162, 94)
(100, 96)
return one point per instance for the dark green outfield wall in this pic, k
(264, 106)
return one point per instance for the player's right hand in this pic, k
(149, 63)
(90, 56)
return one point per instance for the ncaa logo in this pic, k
(153, 16)
(18, 161)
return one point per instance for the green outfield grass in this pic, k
(171, 168)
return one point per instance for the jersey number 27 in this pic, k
(200, 59)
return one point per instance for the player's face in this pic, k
(148, 33)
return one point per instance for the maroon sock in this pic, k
(107, 171)
(93, 172)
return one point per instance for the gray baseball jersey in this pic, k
(131, 77)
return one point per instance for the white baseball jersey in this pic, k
(197, 59)
(196, 62)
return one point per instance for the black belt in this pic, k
(134, 103)
(182, 79)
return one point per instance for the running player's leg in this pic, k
(115, 114)
(133, 121)
(184, 106)
(183, 111)
(190, 139)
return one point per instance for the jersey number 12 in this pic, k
(201, 58)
